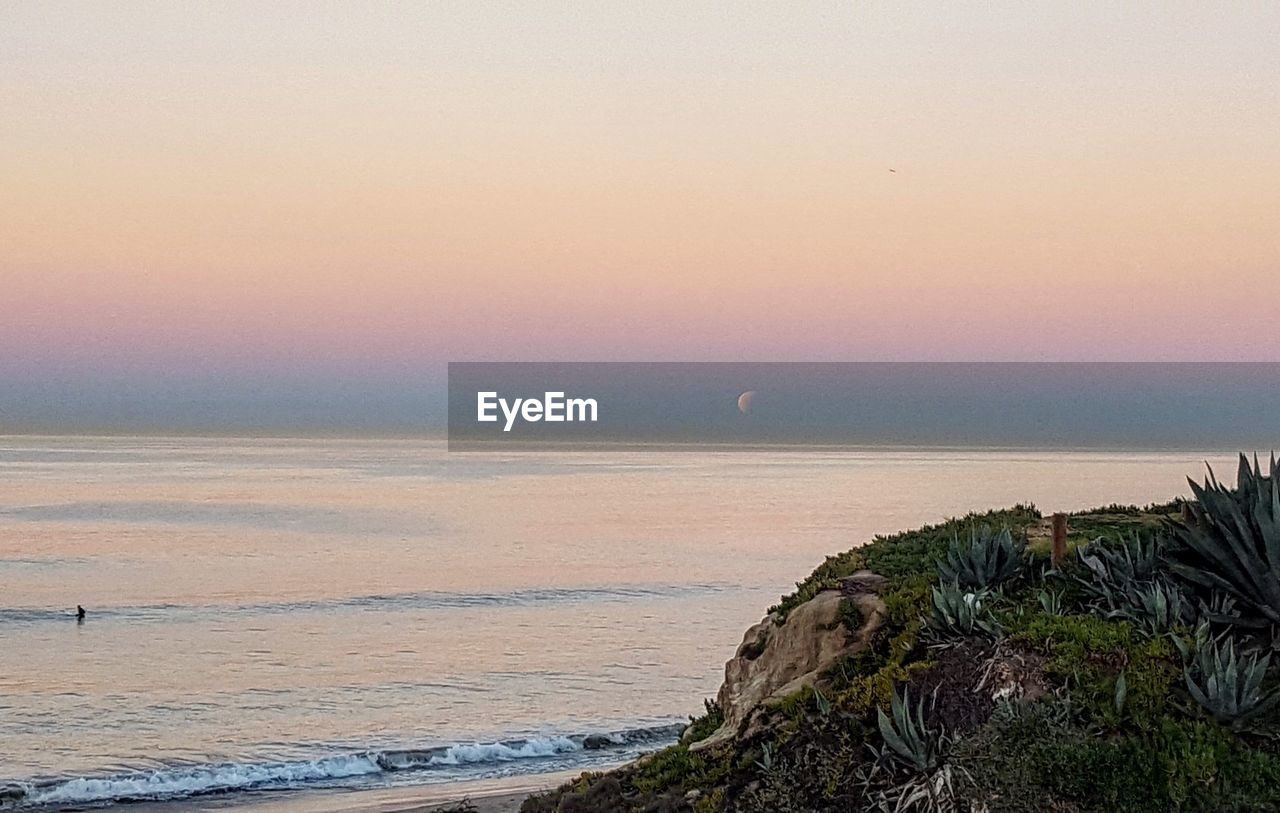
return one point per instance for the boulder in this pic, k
(779, 657)
(597, 742)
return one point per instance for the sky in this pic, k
(296, 203)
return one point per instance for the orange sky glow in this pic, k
(253, 187)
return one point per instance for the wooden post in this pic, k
(1059, 539)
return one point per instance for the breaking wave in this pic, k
(333, 770)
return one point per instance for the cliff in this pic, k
(955, 668)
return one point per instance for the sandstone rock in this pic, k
(777, 658)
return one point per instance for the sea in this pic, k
(297, 616)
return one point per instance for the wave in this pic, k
(421, 600)
(337, 769)
(477, 753)
(197, 780)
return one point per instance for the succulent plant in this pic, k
(1052, 602)
(1156, 607)
(1221, 608)
(1228, 685)
(1231, 542)
(765, 762)
(960, 613)
(907, 740)
(986, 560)
(1112, 570)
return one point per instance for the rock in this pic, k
(864, 581)
(595, 742)
(12, 793)
(776, 658)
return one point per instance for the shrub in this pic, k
(702, 727)
(1088, 654)
(902, 557)
(1038, 759)
(916, 553)
(671, 767)
(826, 575)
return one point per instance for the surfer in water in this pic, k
(80, 613)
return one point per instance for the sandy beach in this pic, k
(485, 796)
(494, 799)
(504, 803)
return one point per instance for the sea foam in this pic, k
(200, 780)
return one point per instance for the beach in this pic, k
(506, 803)
(484, 796)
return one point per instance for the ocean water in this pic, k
(301, 614)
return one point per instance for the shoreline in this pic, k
(498, 770)
(503, 795)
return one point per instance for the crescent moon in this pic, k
(744, 401)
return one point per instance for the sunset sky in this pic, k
(231, 195)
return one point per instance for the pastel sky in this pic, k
(238, 191)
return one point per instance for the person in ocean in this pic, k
(79, 613)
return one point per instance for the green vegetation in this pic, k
(1232, 544)
(987, 560)
(1227, 686)
(1156, 608)
(1085, 658)
(1111, 569)
(1037, 758)
(958, 613)
(1137, 675)
(907, 739)
(904, 556)
(702, 727)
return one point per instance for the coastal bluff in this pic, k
(965, 666)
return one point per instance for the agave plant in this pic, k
(907, 740)
(1227, 685)
(986, 560)
(765, 762)
(1231, 541)
(1156, 607)
(1052, 602)
(1221, 609)
(1113, 570)
(959, 613)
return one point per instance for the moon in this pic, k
(744, 401)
